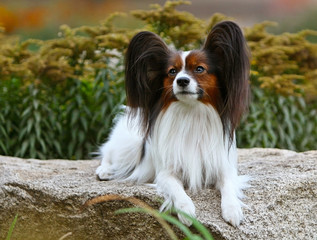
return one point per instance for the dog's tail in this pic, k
(124, 153)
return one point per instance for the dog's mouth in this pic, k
(185, 93)
(186, 96)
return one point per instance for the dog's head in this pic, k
(217, 74)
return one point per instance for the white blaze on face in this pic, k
(184, 85)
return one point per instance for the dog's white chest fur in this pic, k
(188, 140)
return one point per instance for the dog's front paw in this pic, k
(104, 172)
(184, 205)
(187, 206)
(232, 212)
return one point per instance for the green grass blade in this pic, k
(181, 226)
(12, 227)
(172, 220)
(200, 227)
(131, 210)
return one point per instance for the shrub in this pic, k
(58, 101)
(286, 64)
(62, 122)
(278, 121)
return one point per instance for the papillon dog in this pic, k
(178, 129)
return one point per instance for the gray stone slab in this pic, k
(49, 195)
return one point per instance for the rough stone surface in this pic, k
(48, 196)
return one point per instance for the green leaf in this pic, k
(3, 147)
(79, 99)
(282, 135)
(22, 134)
(3, 132)
(288, 122)
(302, 102)
(24, 147)
(37, 116)
(180, 225)
(57, 147)
(271, 133)
(38, 130)
(84, 123)
(81, 137)
(201, 228)
(29, 125)
(12, 227)
(74, 117)
(32, 140)
(41, 141)
(36, 104)
(26, 112)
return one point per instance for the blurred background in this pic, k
(58, 96)
(41, 19)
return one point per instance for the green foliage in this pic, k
(285, 64)
(58, 100)
(163, 218)
(179, 28)
(277, 121)
(63, 122)
(204, 233)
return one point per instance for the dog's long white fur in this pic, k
(186, 149)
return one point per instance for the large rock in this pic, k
(48, 198)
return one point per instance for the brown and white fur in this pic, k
(178, 129)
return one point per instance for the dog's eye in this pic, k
(172, 72)
(199, 69)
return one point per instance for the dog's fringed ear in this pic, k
(227, 48)
(145, 65)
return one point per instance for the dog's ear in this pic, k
(145, 65)
(227, 47)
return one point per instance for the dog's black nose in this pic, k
(183, 82)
